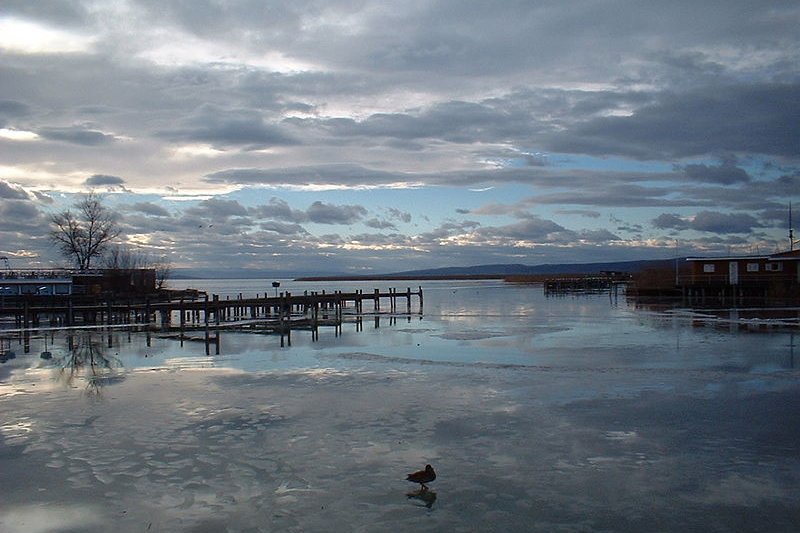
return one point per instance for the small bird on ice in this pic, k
(422, 476)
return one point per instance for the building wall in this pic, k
(747, 270)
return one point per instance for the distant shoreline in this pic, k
(401, 278)
(511, 278)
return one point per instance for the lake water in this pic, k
(568, 413)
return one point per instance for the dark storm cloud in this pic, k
(228, 128)
(11, 109)
(711, 221)
(754, 195)
(519, 209)
(151, 209)
(380, 239)
(355, 175)
(779, 216)
(379, 224)
(76, 135)
(318, 212)
(631, 189)
(597, 236)
(217, 209)
(726, 241)
(532, 229)
(278, 20)
(326, 175)
(670, 221)
(283, 228)
(469, 41)
(761, 118)
(448, 229)
(455, 121)
(43, 198)
(60, 12)
(708, 221)
(726, 173)
(138, 222)
(322, 213)
(12, 191)
(396, 214)
(581, 212)
(20, 215)
(280, 210)
(617, 196)
(706, 121)
(99, 180)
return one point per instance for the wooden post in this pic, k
(183, 318)
(205, 319)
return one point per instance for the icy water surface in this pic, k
(576, 413)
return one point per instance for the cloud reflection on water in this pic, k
(576, 427)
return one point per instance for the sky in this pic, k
(362, 136)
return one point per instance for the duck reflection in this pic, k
(88, 360)
(426, 496)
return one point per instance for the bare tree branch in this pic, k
(123, 258)
(85, 234)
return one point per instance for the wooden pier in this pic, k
(201, 311)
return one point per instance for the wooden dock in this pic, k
(201, 311)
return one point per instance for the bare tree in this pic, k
(122, 257)
(163, 271)
(84, 234)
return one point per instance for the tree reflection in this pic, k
(88, 360)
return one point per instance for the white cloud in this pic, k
(18, 135)
(26, 37)
(196, 150)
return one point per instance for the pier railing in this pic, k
(192, 310)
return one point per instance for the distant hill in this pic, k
(475, 271)
(506, 270)
(518, 269)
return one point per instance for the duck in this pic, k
(422, 476)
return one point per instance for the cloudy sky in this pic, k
(366, 136)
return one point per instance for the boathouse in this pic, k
(755, 278)
(120, 282)
(745, 270)
(36, 282)
(40, 283)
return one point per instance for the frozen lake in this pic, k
(572, 413)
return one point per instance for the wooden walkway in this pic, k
(203, 312)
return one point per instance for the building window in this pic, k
(62, 288)
(774, 267)
(708, 268)
(752, 267)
